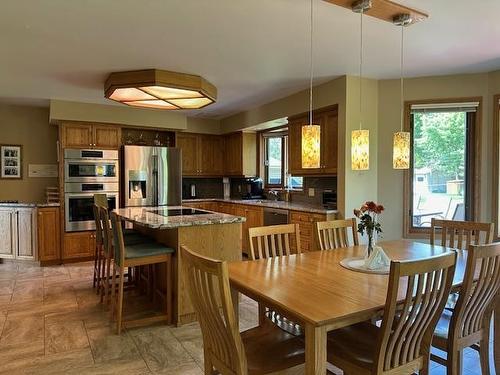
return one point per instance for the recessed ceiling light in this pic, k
(160, 89)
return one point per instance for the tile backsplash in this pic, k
(205, 187)
(319, 184)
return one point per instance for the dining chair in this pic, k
(334, 234)
(269, 242)
(260, 350)
(468, 324)
(274, 240)
(416, 295)
(134, 255)
(460, 234)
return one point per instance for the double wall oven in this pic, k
(87, 172)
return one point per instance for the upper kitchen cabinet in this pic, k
(202, 154)
(84, 135)
(327, 119)
(240, 154)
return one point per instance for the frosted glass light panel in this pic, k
(360, 150)
(401, 150)
(311, 139)
(171, 92)
(130, 94)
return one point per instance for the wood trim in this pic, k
(317, 111)
(495, 163)
(385, 10)
(408, 231)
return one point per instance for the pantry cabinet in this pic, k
(327, 119)
(202, 154)
(87, 135)
(18, 233)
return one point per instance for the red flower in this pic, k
(379, 209)
(357, 213)
(372, 206)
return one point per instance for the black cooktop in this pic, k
(178, 211)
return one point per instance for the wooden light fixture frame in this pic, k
(384, 10)
(163, 78)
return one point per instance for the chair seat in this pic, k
(142, 250)
(440, 338)
(355, 344)
(271, 349)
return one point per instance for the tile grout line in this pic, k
(140, 351)
(88, 340)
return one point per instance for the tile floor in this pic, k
(51, 322)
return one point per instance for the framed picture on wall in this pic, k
(10, 161)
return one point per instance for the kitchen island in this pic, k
(216, 235)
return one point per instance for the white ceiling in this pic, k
(254, 51)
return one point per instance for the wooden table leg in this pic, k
(315, 350)
(235, 297)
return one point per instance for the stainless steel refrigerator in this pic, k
(152, 176)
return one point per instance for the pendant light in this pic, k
(311, 133)
(401, 139)
(360, 139)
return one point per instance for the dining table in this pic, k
(316, 291)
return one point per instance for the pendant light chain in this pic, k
(311, 66)
(361, 71)
(401, 76)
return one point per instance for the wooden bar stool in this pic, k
(333, 234)
(140, 254)
(257, 351)
(99, 200)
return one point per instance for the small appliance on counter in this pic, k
(226, 187)
(330, 199)
(247, 188)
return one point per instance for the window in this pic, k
(276, 161)
(441, 178)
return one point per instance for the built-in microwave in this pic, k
(79, 214)
(90, 166)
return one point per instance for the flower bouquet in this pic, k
(368, 216)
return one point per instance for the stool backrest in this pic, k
(273, 240)
(208, 286)
(98, 225)
(460, 234)
(107, 235)
(407, 328)
(479, 289)
(118, 245)
(333, 234)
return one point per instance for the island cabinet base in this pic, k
(218, 241)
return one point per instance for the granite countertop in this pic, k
(303, 207)
(147, 217)
(29, 205)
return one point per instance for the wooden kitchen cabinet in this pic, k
(327, 119)
(78, 245)
(7, 232)
(17, 233)
(255, 218)
(202, 154)
(49, 234)
(240, 154)
(86, 135)
(306, 221)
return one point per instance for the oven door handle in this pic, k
(155, 179)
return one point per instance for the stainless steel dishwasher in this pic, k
(275, 216)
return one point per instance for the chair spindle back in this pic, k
(333, 234)
(273, 241)
(208, 286)
(460, 234)
(407, 329)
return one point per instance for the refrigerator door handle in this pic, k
(155, 179)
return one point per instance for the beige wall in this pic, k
(390, 181)
(202, 125)
(29, 127)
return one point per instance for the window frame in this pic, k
(473, 166)
(284, 143)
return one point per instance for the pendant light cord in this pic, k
(361, 71)
(401, 76)
(311, 66)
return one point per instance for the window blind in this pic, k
(445, 107)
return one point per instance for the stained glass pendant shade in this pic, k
(160, 89)
(311, 140)
(360, 150)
